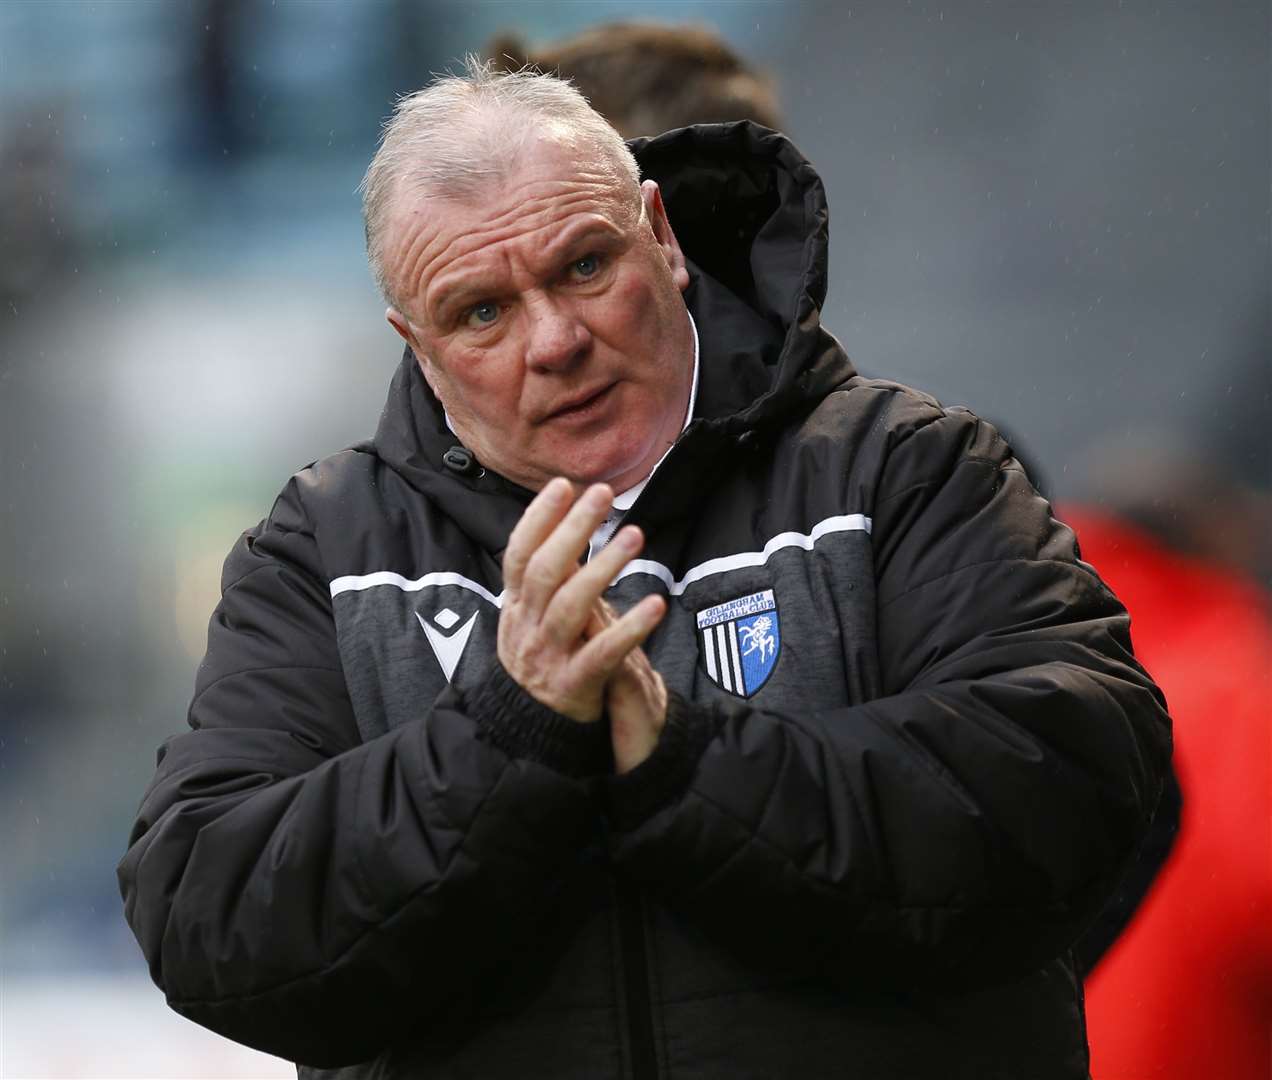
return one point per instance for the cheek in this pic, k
(644, 322)
(478, 380)
(634, 304)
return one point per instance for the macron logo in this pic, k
(447, 643)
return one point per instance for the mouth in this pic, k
(583, 405)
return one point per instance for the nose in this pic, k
(556, 338)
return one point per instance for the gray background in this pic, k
(1055, 213)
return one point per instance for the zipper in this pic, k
(635, 955)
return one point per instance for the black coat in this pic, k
(864, 852)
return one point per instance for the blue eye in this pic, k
(482, 314)
(587, 266)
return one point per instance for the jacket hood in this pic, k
(750, 214)
(751, 217)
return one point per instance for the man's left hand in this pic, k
(543, 640)
(635, 700)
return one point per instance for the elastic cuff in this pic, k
(523, 727)
(664, 776)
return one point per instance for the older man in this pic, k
(824, 781)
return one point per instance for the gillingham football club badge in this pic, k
(739, 641)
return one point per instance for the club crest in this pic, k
(739, 641)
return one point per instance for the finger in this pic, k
(601, 616)
(542, 516)
(603, 653)
(557, 557)
(573, 605)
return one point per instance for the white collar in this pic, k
(624, 500)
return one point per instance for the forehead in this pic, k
(556, 193)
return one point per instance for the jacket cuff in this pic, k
(664, 776)
(523, 727)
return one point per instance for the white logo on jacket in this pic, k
(447, 643)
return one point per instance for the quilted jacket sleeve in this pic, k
(966, 825)
(300, 891)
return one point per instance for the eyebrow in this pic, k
(583, 236)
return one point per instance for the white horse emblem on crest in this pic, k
(757, 636)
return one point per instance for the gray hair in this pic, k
(463, 132)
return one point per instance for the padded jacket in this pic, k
(908, 753)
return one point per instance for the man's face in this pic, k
(547, 318)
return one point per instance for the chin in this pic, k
(620, 455)
(620, 471)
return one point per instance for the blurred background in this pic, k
(1056, 214)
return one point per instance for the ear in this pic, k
(400, 323)
(406, 332)
(656, 213)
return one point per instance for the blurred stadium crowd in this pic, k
(1057, 217)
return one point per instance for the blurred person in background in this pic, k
(1186, 990)
(1178, 966)
(646, 78)
(1166, 486)
(833, 774)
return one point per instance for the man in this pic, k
(825, 782)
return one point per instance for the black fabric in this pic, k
(525, 728)
(977, 754)
(1116, 915)
(666, 773)
(874, 864)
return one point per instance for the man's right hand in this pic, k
(549, 600)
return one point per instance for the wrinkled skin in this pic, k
(557, 636)
(546, 317)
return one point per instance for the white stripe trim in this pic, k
(842, 523)
(726, 670)
(737, 662)
(358, 582)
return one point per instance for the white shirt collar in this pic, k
(624, 499)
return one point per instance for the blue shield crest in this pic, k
(739, 641)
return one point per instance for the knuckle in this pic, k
(539, 569)
(586, 587)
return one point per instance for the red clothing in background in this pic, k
(1186, 992)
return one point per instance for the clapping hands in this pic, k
(560, 640)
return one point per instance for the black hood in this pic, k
(750, 214)
(751, 217)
